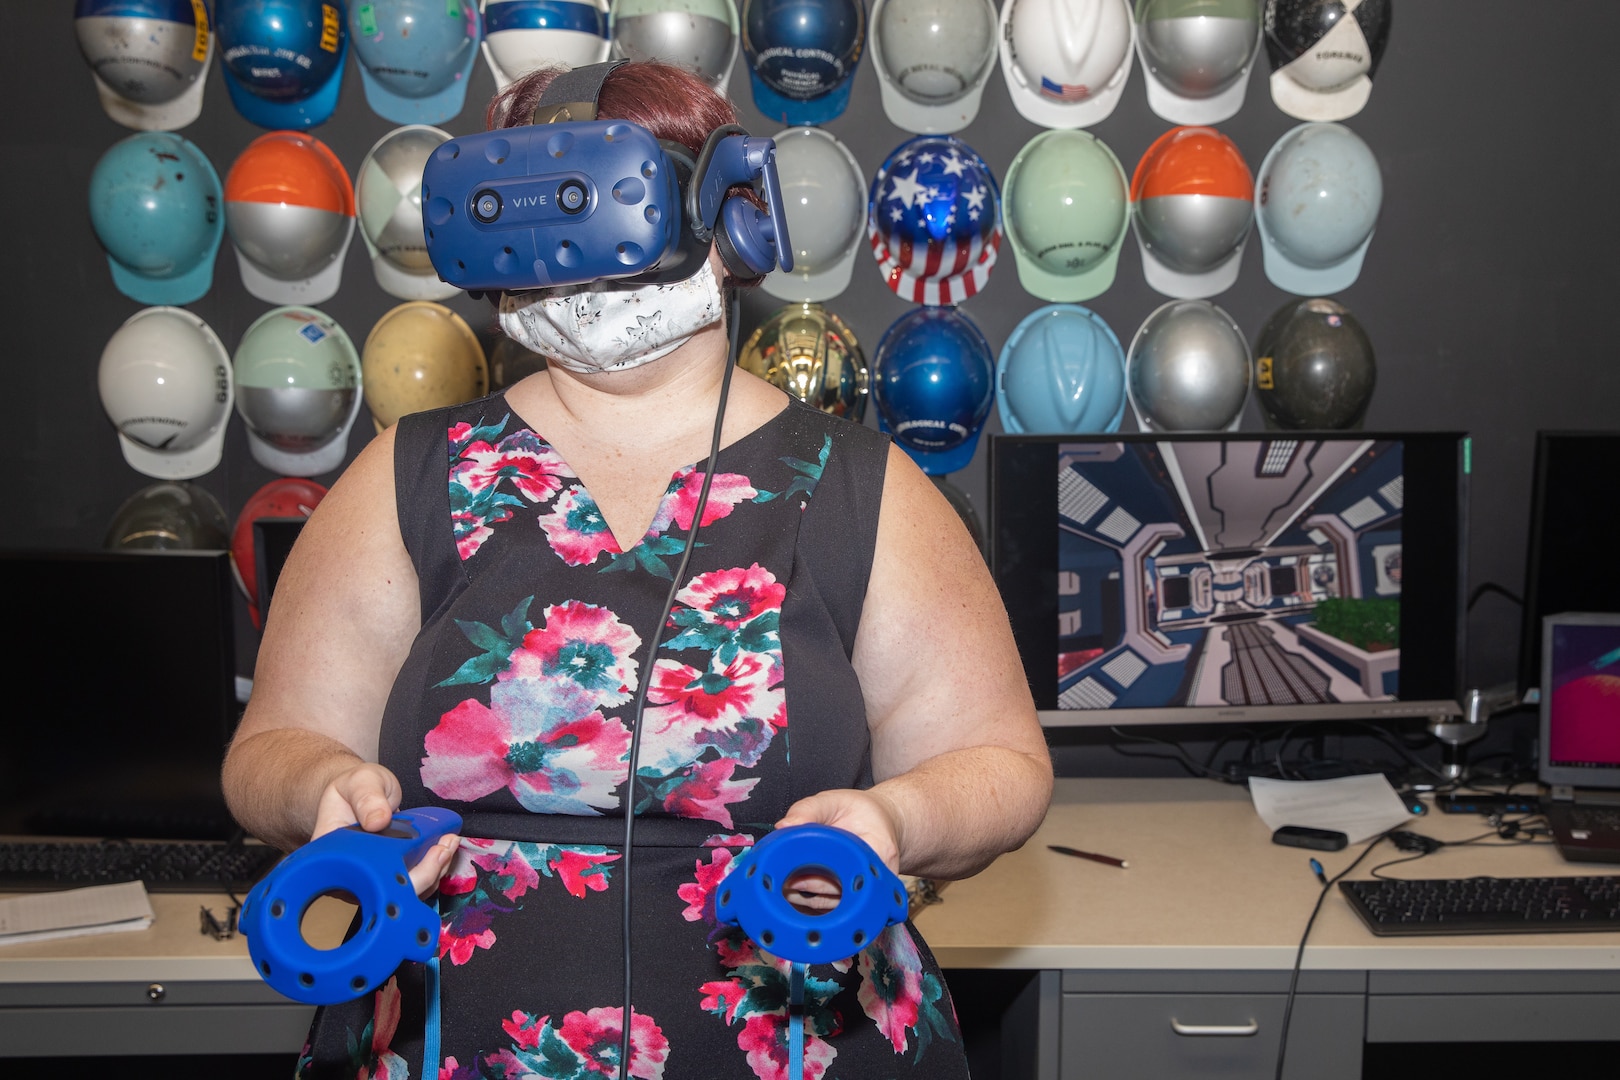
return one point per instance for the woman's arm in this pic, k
(346, 611)
(961, 763)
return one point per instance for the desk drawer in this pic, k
(1231, 1036)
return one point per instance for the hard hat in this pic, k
(1196, 56)
(933, 58)
(149, 59)
(1061, 371)
(171, 515)
(415, 56)
(1068, 209)
(933, 220)
(165, 381)
(511, 363)
(420, 356)
(299, 390)
(521, 36)
(1192, 202)
(1319, 195)
(698, 35)
(824, 198)
(155, 206)
(807, 351)
(283, 59)
(1314, 367)
(283, 497)
(388, 198)
(964, 509)
(290, 209)
(933, 377)
(1066, 61)
(1324, 54)
(1188, 369)
(802, 56)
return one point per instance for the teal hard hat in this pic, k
(1062, 370)
(1067, 207)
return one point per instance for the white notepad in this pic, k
(98, 909)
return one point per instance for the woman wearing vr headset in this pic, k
(501, 606)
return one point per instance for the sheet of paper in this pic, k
(1361, 807)
(97, 909)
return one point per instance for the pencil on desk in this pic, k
(1093, 856)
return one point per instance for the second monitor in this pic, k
(1233, 577)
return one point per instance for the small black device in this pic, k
(1489, 804)
(1486, 905)
(1315, 839)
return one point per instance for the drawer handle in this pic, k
(1220, 1030)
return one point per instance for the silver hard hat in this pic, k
(1188, 369)
(1197, 63)
(388, 201)
(698, 35)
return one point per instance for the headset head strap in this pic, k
(572, 95)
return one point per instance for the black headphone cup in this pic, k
(747, 245)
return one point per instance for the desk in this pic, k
(1201, 929)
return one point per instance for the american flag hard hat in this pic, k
(933, 218)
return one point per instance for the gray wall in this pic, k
(1487, 290)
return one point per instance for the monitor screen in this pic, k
(119, 676)
(1232, 577)
(1574, 519)
(1580, 701)
(273, 539)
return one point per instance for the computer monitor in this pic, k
(1170, 579)
(119, 694)
(1574, 519)
(1580, 700)
(273, 539)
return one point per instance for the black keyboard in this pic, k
(189, 866)
(1486, 905)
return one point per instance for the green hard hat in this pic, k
(1066, 205)
(298, 376)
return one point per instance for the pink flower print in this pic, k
(470, 532)
(584, 644)
(535, 469)
(699, 894)
(509, 864)
(736, 710)
(680, 503)
(891, 984)
(465, 930)
(705, 790)
(576, 530)
(764, 1039)
(524, 1029)
(454, 1070)
(731, 598)
(542, 739)
(594, 1036)
(384, 1063)
(577, 869)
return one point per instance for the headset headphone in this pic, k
(571, 199)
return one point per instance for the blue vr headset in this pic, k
(572, 199)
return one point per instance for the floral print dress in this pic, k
(514, 708)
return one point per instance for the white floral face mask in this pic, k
(607, 326)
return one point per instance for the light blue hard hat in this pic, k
(416, 56)
(1317, 200)
(1062, 370)
(156, 205)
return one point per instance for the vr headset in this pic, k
(572, 199)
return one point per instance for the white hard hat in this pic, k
(933, 58)
(165, 381)
(521, 36)
(824, 198)
(1066, 61)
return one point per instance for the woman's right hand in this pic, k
(367, 795)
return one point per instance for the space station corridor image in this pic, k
(1263, 572)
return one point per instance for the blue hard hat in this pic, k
(282, 59)
(1061, 371)
(416, 56)
(157, 207)
(802, 56)
(933, 378)
(150, 58)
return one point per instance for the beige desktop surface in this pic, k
(1207, 889)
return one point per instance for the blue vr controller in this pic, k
(395, 925)
(566, 203)
(753, 894)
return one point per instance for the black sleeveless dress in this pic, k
(514, 709)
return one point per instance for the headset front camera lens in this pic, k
(486, 206)
(571, 196)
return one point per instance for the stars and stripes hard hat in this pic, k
(933, 219)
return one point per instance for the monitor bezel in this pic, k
(1391, 711)
(1595, 776)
